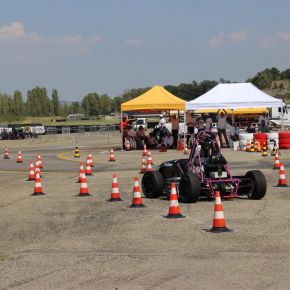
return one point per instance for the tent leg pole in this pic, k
(184, 135)
(121, 130)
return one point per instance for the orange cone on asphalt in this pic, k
(149, 167)
(219, 223)
(84, 191)
(137, 199)
(282, 177)
(276, 161)
(88, 168)
(31, 175)
(19, 157)
(185, 152)
(149, 159)
(37, 187)
(115, 195)
(145, 152)
(90, 158)
(6, 154)
(143, 166)
(248, 145)
(174, 210)
(37, 168)
(38, 158)
(82, 171)
(180, 145)
(112, 155)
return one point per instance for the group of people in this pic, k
(161, 134)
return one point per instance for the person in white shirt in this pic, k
(168, 140)
(234, 132)
(221, 125)
(208, 122)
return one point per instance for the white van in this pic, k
(140, 122)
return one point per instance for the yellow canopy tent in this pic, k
(157, 98)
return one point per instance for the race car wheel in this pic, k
(189, 188)
(152, 184)
(258, 184)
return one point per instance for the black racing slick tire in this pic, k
(152, 184)
(189, 188)
(258, 184)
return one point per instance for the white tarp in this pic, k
(234, 96)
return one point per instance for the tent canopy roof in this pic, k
(234, 96)
(157, 98)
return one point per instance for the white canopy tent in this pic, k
(234, 96)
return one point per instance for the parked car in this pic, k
(140, 122)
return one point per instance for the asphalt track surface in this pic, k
(62, 241)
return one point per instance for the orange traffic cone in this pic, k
(38, 158)
(150, 159)
(82, 171)
(127, 146)
(248, 145)
(180, 145)
(37, 169)
(185, 152)
(19, 157)
(112, 155)
(143, 166)
(174, 210)
(277, 161)
(219, 223)
(145, 152)
(84, 191)
(252, 147)
(282, 177)
(258, 146)
(91, 159)
(6, 154)
(37, 186)
(115, 195)
(31, 175)
(137, 199)
(88, 168)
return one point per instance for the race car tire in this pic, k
(152, 184)
(189, 188)
(258, 184)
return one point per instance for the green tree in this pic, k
(18, 104)
(90, 104)
(55, 103)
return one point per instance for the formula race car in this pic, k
(202, 174)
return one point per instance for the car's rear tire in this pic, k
(189, 188)
(152, 184)
(258, 186)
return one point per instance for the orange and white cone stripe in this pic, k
(149, 167)
(19, 157)
(145, 152)
(174, 210)
(112, 155)
(128, 147)
(149, 159)
(82, 171)
(6, 154)
(37, 186)
(38, 158)
(31, 175)
(276, 161)
(115, 194)
(282, 177)
(91, 159)
(219, 223)
(143, 165)
(137, 199)
(84, 191)
(88, 168)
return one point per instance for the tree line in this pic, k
(39, 104)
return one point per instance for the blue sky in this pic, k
(108, 46)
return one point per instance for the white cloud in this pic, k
(223, 39)
(134, 42)
(283, 36)
(16, 32)
(273, 40)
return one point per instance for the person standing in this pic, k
(174, 129)
(208, 122)
(190, 125)
(221, 125)
(265, 118)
